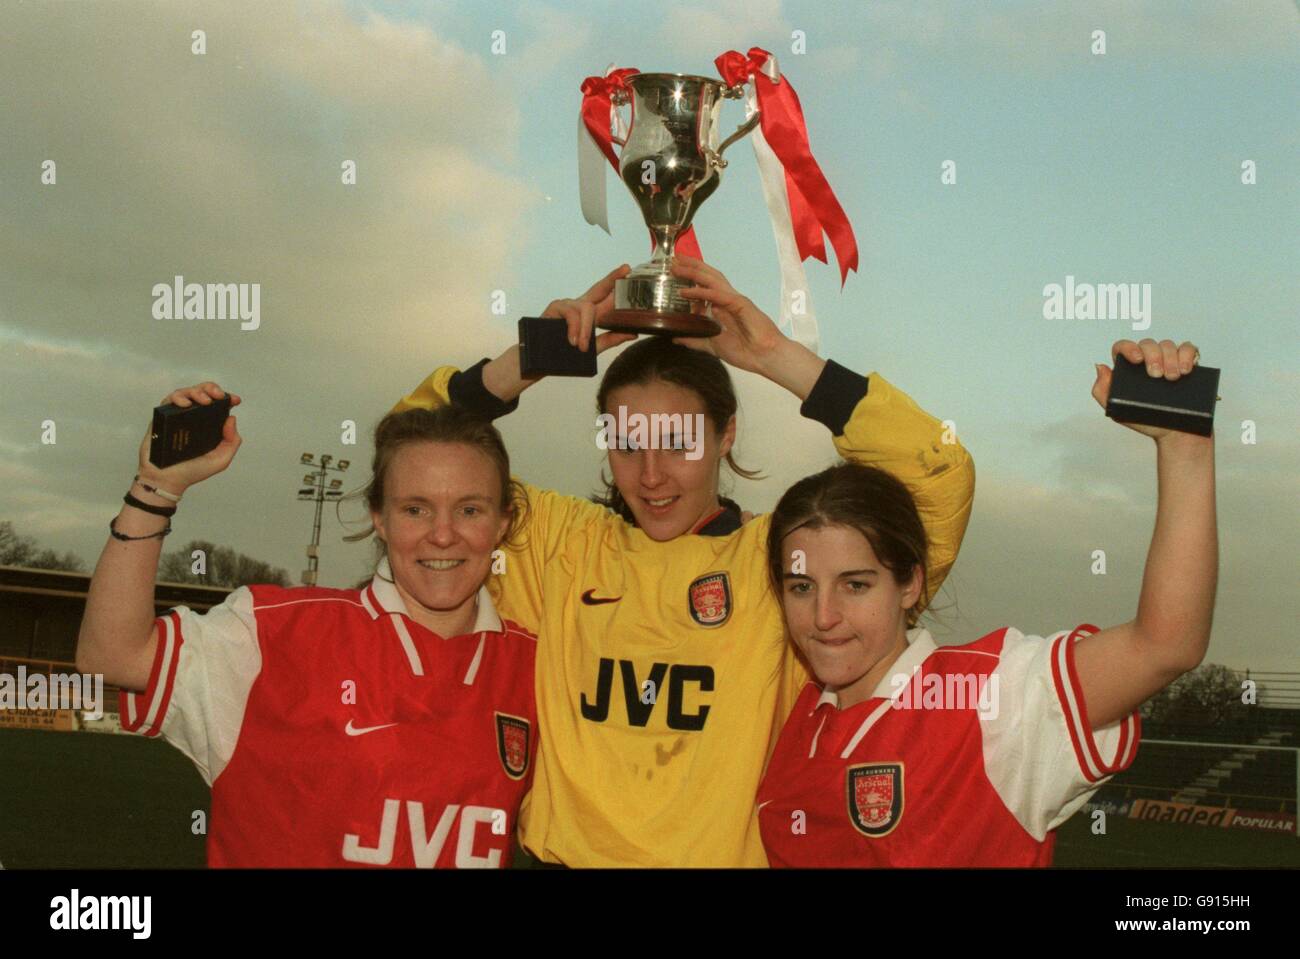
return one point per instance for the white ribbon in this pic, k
(799, 326)
(591, 166)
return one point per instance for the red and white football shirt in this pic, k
(335, 730)
(964, 756)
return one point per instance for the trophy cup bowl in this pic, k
(671, 161)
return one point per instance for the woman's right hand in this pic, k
(582, 314)
(178, 477)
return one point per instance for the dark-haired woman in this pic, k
(904, 753)
(662, 670)
(389, 726)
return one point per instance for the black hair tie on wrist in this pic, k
(112, 528)
(130, 500)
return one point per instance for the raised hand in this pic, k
(1162, 360)
(748, 337)
(180, 476)
(582, 314)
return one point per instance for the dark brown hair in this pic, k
(864, 498)
(659, 358)
(446, 424)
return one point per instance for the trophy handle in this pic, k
(715, 156)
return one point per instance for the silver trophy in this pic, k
(672, 162)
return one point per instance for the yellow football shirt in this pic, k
(663, 670)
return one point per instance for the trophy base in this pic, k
(648, 303)
(664, 324)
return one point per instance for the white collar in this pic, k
(382, 596)
(920, 644)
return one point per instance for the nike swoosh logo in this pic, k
(361, 731)
(591, 600)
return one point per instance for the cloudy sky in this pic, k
(226, 167)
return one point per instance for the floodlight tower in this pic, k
(314, 489)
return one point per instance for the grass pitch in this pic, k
(96, 800)
(88, 800)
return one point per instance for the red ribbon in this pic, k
(813, 206)
(596, 94)
(596, 102)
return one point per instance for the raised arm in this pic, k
(871, 421)
(118, 637)
(1119, 668)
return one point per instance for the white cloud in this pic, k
(705, 31)
(173, 163)
(47, 516)
(227, 168)
(556, 38)
(845, 58)
(1027, 556)
(1050, 37)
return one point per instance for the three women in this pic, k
(663, 657)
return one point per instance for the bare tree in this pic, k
(16, 550)
(1208, 696)
(207, 564)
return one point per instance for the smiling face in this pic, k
(668, 489)
(845, 610)
(441, 521)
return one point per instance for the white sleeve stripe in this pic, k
(478, 658)
(1069, 704)
(130, 699)
(1125, 749)
(1092, 764)
(1126, 752)
(162, 689)
(866, 726)
(412, 654)
(155, 692)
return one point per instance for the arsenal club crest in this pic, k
(710, 599)
(512, 744)
(875, 797)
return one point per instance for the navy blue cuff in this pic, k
(466, 389)
(834, 396)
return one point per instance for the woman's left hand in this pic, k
(748, 337)
(1163, 360)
